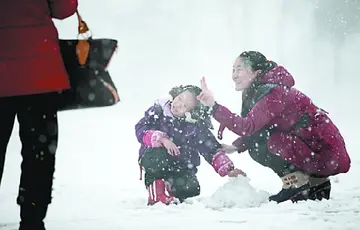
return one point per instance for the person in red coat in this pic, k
(31, 73)
(281, 129)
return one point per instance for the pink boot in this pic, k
(157, 193)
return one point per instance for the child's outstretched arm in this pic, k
(209, 147)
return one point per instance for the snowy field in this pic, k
(174, 42)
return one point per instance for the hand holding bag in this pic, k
(86, 62)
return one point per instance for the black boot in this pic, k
(294, 184)
(321, 191)
(32, 216)
(318, 191)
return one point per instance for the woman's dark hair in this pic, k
(257, 61)
(200, 112)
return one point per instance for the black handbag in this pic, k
(86, 62)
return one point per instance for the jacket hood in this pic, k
(278, 75)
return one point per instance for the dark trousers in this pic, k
(38, 131)
(281, 167)
(264, 157)
(158, 164)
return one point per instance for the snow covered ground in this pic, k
(167, 43)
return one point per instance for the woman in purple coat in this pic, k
(173, 134)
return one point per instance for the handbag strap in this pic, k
(83, 46)
(82, 28)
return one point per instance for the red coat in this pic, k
(318, 148)
(30, 60)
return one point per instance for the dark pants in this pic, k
(281, 167)
(264, 157)
(158, 164)
(38, 131)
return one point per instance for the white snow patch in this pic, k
(236, 193)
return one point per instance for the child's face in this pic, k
(183, 103)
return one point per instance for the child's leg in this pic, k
(184, 184)
(157, 164)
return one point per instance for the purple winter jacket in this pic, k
(194, 139)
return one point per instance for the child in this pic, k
(172, 134)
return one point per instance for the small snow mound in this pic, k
(237, 193)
